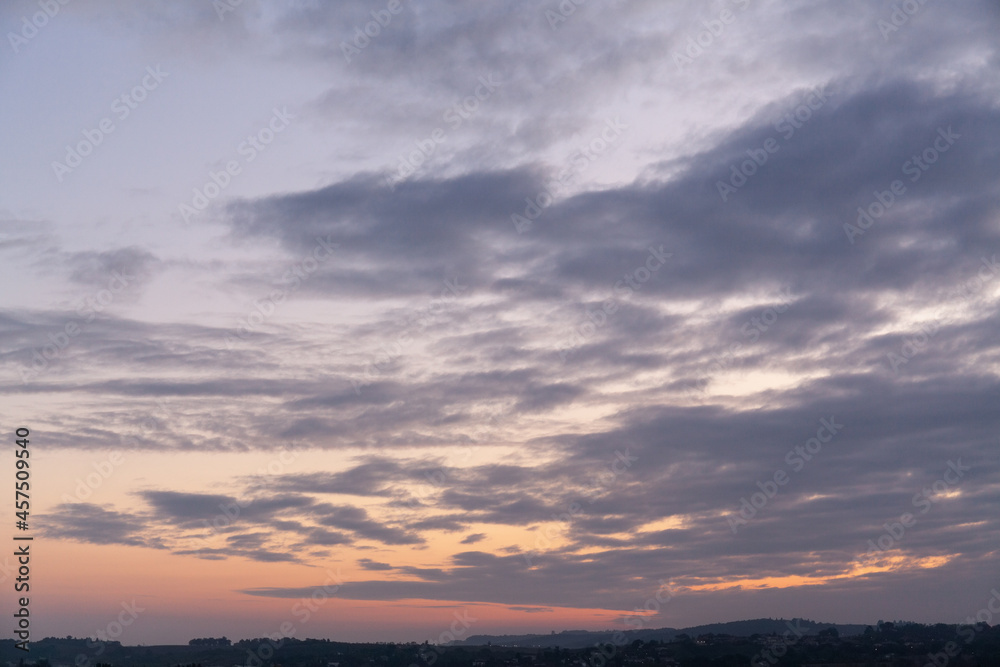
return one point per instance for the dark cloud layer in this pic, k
(617, 382)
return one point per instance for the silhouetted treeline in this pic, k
(889, 644)
(210, 641)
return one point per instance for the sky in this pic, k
(406, 321)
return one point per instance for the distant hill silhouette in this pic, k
(585, 638)
(719, 644)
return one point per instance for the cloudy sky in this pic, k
(534, 313)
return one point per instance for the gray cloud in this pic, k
(513, 398)
(98, 525)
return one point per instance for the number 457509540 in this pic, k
(22, 475)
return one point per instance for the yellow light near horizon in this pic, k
(897, 562)
(855, 569)
(673, 522)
